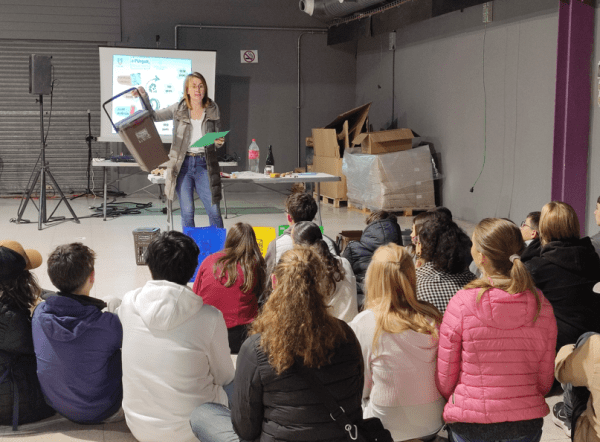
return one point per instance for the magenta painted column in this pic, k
(572, 106)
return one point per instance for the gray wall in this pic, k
(258, 100)
(439, 93)
(594, 155)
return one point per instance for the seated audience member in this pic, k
(596, 238)
(382, 228)
(232, 281)
(566, 271)
(78, 347)
(399, 335)
(418, 222)
(496, 349)
(342, 301)
(577, 366)
(273, 399)
(19, 293)
(175, 350)
(299, 206)
(443, 272)
(530, 230)
(464, 239)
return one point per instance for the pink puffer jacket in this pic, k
(494, 363)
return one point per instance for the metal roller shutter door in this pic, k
(76, 89)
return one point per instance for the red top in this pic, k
(238, 308)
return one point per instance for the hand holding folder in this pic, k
(209, 139)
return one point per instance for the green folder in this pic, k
(209, 138)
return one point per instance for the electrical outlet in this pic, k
(392, 41)
(487, 12)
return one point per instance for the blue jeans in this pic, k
(212, 422)
(455, 437)
(193, 175)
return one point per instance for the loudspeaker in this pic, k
(40, 74)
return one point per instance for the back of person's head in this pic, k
(444, 211)
(241, 248)
(380, 215)
(294, 323)
(501, 243)
(441, 245)
(18, 285)
(70, 265)
(534, 220)
(172, 256)
(558, 222)
(391, 294)
(422, 218)
(301, 207)
(307, 233)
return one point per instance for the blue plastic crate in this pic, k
(208, 239)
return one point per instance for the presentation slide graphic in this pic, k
(161, 77)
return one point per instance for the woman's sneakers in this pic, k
(559, 417)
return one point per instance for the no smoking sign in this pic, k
(249, 56)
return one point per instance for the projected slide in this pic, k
(161, 77)
(160, 71)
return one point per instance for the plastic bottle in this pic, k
(253, 156)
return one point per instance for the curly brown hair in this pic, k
(295, 323)
(22, 291)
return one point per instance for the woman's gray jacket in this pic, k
(182, 131)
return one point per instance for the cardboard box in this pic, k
(345, 236)
(333, 139)
(332, 166)
(325, 144)
(394, 181)
(385, 141)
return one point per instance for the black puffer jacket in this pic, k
(272, 407)
(359, 253)
(566, 272)
(16, 355)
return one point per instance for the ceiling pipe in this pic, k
(304, 31)
(328, 10)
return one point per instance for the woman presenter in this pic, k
(191, 167)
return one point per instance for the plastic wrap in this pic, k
(392, 181)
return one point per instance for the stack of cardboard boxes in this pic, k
(387, 174)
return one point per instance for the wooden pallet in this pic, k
(405, 211)
(335, 202)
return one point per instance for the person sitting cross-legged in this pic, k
(443, 273)
(398, 335)
(175, 348)
(78, 347)
(274, 398)
(19, 293)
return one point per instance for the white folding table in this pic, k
(262, 181)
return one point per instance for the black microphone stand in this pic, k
(88, 139)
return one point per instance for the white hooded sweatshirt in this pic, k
(175, 358)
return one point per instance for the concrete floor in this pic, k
(117, 272)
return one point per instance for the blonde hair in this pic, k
(205, 100)
(499, 240)
(391, 294)
(558, 221)
(294, 322)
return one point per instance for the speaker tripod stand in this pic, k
(42, 174)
